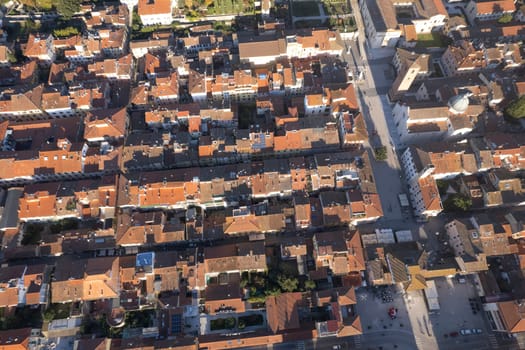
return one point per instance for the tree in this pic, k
(506, 18)
(242, 324)
(457, 202)
(286, 283)
(442, 186)
(11, 57)
(60, 33)
(229, 323)
(516, 108)
(136, 22)
(67, 8)
(32, 234)
(309, 285)
(380, 153)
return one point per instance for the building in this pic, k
(489, 10)
(85, 279)
(410, 67)
(340, 251)
(153, 12)
(385, 20)
(506, 316)
(40, 48)
(15, 339)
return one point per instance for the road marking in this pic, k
(357, 341)
(493, 341)
(300, 345)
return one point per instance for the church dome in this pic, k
(459, 104)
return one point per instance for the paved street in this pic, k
(377, 76)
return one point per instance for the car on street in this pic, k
(477, 331)
(466, 332)
(454, 334)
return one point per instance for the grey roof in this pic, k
(10, 214)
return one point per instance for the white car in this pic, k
(465, 332)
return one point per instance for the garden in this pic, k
(306, 9)
(433, 39)
(223, 323)
(250, 321)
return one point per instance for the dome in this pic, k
(459, 104)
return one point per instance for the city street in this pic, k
(374, 77)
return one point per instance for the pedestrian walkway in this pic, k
(493, 341)
(357, 342)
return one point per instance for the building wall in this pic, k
(428, 25)
(494, 317)
(163, 18)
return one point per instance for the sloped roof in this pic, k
(282, 311)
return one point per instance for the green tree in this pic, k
(506, 18)
(242, 324)
(380, 153)
(457, 202)
(30, 26)
(49, 315)
(309, 285)
(67, 8)
(516, 108)
(442, 186)
(136, 22)
(229, 323)
(286, 283)
(11, 57)
(65, 32)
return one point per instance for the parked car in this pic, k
(477, 331)
(466, 332)
(454, 334)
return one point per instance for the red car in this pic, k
(392, 312)
(454, 334)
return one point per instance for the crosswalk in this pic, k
(357, 342)
(493, 341)
(300, 345)
(422, 343)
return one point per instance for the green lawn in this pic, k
(431, 40)
(227, 7)
(305, 8)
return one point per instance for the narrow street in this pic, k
(371, 92)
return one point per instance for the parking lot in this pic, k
(460, 307)
(442, 329)
(379, 329)
(414, 327)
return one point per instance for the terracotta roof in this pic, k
(343, 99)
(93, 344)
(513, 315)
(155, 7)
(85, 279)
(15, 339)
(105, 123)
(282, 311)
(490, 7)
(409, 31)
(268, 48)
(430, 193)
(36, 46)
